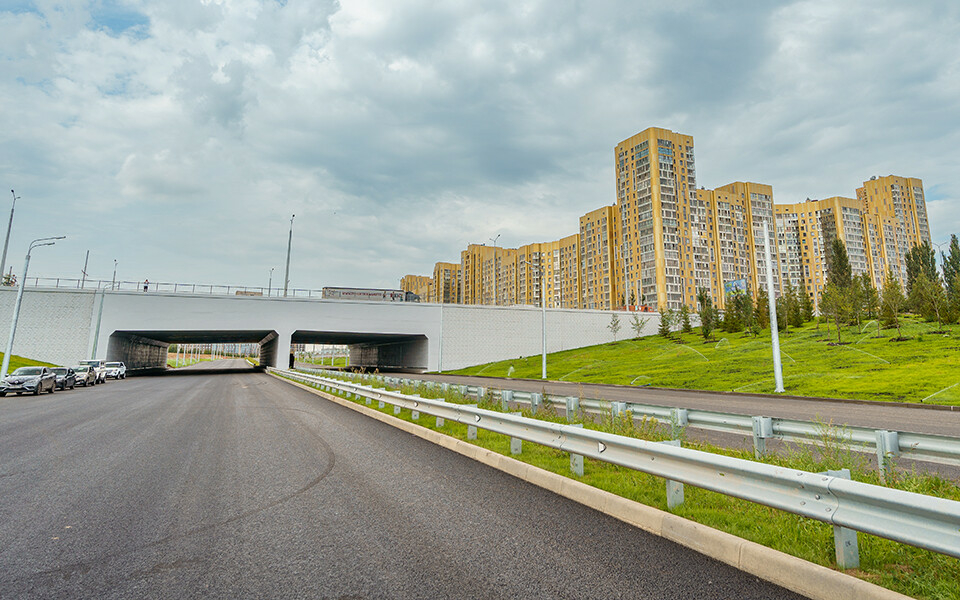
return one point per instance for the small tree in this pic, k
(707, 313)
(637, 324)
(805, 302)
(951, 266)
(929, 298)
(614, 325)
(666, 322)
(892, 302)
(870, 300)
(920, 260)
(762, 309)
(633, 298)
(835, 304)
(838, 265)
(684, 318)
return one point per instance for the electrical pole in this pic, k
(83, 273)
(49, 241)
(3, 261)
(774, 330)
(286, 276)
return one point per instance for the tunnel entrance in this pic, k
(145, 352)
(370, 351)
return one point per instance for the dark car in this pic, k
(66, 378)
(85, 375)
(32, 380)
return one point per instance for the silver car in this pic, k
(31, 380)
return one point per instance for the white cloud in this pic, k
(400, 131)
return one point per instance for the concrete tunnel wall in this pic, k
(137, 352)
(63, 326)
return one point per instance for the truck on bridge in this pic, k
(368, 294)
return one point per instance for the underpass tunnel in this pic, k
(369, 351)
(145, 352)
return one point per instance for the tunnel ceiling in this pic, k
(347, 337)
(206, 337)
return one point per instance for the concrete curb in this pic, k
(795, 574)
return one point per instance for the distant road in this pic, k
(874, 415)
(215, 484)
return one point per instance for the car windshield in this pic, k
(28, 371)
(60, 370)
(81, 369)
(113, 365)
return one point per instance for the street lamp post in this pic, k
(270, 282)
(113, 282)
(286, 275)
(774, 330)
(543, 321)
(48, 241)
(3, 261)
(495, 269)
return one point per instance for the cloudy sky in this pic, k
(178, 136)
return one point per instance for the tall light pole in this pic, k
(495, 269)
(270, 282)
(3, 261)
(113, 282)
(543, 321)
(286, 275)
(774, 330)
(48, 241)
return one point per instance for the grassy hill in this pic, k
(925, 368)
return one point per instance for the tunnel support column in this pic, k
(284, 350)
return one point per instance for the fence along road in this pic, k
(915, 519)
(243, 486)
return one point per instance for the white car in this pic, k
(117, 370)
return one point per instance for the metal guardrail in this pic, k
(168, 287)
(886, 444)
(906, 517)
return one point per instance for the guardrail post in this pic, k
(573, 407)
(888, 447)
(576, 460)
(481, 392)
(845, 540)
(674, 488)
(762, 429)
(536, 400)
(617, 409)
(396, 409)
(380, 403)
(471, 429)
(440, 419)
(506, 397)
(678, 423)
(414, 413)
(516, 444)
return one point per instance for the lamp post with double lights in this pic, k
(48, 241)
(6, 242)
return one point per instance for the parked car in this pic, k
(99, 367)
(85, 375)
(117, 370)
(66, 378)
(32, 380)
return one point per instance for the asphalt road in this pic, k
(237, 485)
(875, 415)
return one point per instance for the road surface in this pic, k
(221, 484)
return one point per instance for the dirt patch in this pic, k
(900, 339)
(838, 343)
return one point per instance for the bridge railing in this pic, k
(906, 517)
(885, 444)
(167, 287)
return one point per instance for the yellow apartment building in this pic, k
(446, 283)
(421, 285)
(896, 221)
(599, 235)
(664, 252)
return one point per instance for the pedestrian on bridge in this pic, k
(146, 284)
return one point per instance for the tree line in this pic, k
(846, 300)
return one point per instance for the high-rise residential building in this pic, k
(446, 283)
(599, 238)
(805, 233)
(896, 216)
(561, 262)
(663, 248)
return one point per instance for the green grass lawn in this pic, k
(925, 368)
(18, 361)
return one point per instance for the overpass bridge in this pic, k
(63, 326)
